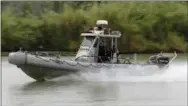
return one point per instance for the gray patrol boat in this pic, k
(98, 50)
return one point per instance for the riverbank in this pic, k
(145, 26)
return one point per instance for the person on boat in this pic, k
(104, 52)
(101, 53)
(99, 27)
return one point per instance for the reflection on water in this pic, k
(167, 89)
(37, 86)
(99, 93)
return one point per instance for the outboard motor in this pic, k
(159, 59)
(163, 60)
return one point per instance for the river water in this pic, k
(97, 89)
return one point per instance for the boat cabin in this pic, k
(99, 44)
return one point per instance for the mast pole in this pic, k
(112, 48)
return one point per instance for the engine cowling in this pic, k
(158, 60)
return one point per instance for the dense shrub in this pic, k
(146, 26)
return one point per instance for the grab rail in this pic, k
(127, 59)
(100, 57)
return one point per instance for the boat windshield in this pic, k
(88, 41)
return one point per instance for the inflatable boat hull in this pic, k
(44, 68)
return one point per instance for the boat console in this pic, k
(99, 44)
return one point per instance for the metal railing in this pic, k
(109, 59)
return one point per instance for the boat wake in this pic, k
(176, 72)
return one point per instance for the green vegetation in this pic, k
(146, 26)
